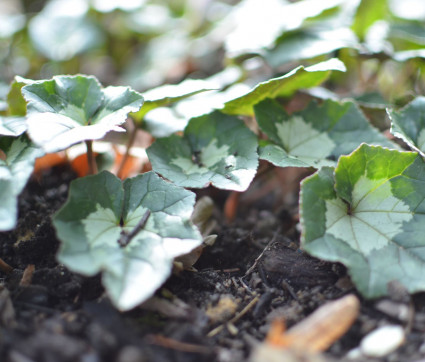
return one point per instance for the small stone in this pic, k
(382, 341)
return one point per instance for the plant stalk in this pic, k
(90, 158)
(130, 143)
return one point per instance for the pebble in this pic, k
(382, 341)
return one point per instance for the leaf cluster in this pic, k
(362, 205)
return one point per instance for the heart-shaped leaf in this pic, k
(409, 124)
(70, 109)
(215, 149)
(283, 86)
(152, 215)
(316, 136)
(369, 214)
(15, 169)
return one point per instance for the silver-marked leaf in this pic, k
(12, 126)
(316, 136)
(283, 86)
(15, 169)
(170, 93)
(60, 33)
(215, 149)
(409, 124)
(101, 209)
(369, 214)
(69, 109)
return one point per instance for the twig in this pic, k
(235, 318)
(27, 276)
(125, 237)
(251, 269)
(90, 158)
(177, 345)
(130, 142)
(4, 267)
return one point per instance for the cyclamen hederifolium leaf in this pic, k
(316, 136)
(100, 208)
(283, 86)
(15, 170)
(69, 109)
(215, 149)
(369, 214)
(409, 124)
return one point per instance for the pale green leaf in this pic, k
(368, 12)
(101, 208)
(215, 149)
(409, 124)
(316, 136)
(369, 214)
(170, 93)
(69, 109)
(283, 86)
(12, 126)
(15, 170)
(309, 43)
(60, 33)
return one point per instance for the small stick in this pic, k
(238, 316)
(177, 345)
(27, 276)
(90, 158)
(4, 267)
(251, 269)
(130, 142)
(125, 237)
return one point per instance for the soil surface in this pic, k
(53, 315)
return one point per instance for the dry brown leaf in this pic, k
(320, 330)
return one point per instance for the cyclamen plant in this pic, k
(362, 207)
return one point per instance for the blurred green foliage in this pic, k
(147, 43)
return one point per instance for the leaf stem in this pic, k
(130, 142)
(125, 237)
(90, 158)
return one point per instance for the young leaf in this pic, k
(71, 109)
(101, 211)
(15, 169)
(15, 101)
(170, 93)
(215, 149)
(409, 124)
(369, 214)
(316, 136)
(283, 86)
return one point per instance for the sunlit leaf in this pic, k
(215, 149)
(283, 86)
(309, 43)
(316, 136)
(101, 211)
(15, 169)
(369, 214)
(61, 31)
(71, 109)
(409, 124)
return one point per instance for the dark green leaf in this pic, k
(215, 149)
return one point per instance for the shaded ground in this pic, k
(59, 316)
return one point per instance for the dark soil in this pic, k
(63, 317)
